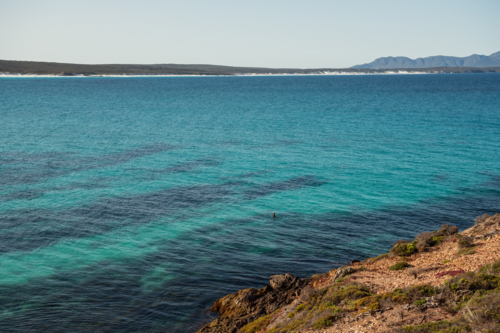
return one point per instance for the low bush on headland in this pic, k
(404, 248)
(257, 325)
(400, 266)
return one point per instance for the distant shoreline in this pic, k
(8, 75)
(10, 68)
(188, 75)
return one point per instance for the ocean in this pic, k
(132, 204)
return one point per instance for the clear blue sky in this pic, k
(269, 33)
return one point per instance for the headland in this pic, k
(443, 281)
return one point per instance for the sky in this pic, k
(271, 33)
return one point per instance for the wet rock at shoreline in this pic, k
(246, 305)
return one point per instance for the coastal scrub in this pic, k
(400, 266)
(404, 248)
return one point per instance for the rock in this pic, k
(408, 307)
(412, 271)
(283, 281)
(247, 305)
(342, 272)
(240, 323)
(238, 302)
(306, 294)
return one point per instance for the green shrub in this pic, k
(370, 302)
(404, 249)
(400, 266)
(420, 302)
(323, 291)
(399, 296)
(322, 323)
(349, 292)
(330, 306)
(422, 289)
(437, 239)
(292, 326)
(465, 242)
(411, 249)
(301, 307)
(257, 325)
(411, 294)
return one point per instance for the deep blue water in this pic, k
(131, 204)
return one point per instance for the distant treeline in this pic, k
(54, 68)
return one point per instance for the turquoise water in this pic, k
(131, 204)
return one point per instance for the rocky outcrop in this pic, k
(246, 305)
(285, 281)
(342, 272)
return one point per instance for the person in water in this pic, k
(274, 215)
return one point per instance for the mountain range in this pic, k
(475, 60)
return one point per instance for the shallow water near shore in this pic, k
(131, 204)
